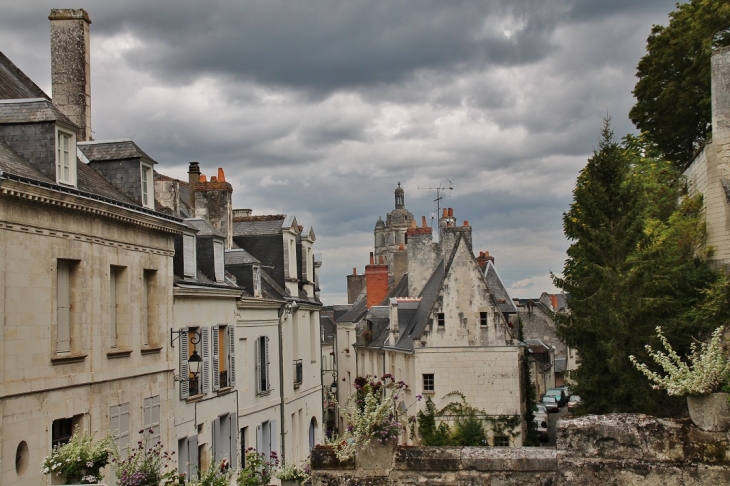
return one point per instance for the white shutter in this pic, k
(184, 374)
(218, 260)
(216, 357)
(233, 430)
(205, 344)
(266, 363)
(152, 418)
(231, 355)
(189, 255)
(123, 438)
(113, 307)
(259, 368)
(273, 439)
(63, 314)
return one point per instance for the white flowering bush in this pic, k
(80, 460)
(292, 472)
(371, 413)
(708, 368)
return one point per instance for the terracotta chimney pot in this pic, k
(202, 178)
(213, 179)
(423, 222)
(372, 259)
(221, 175)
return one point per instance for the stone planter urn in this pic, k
(375, 456)
(710, 412)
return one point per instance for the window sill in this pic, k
(297, 385)
(119, 353)
(151, 350)
(429, 392)
(194, 398)
(263, 393)
(72, 358)
(225, 391)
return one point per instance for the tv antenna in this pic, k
(439, 191)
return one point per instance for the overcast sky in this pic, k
(319, 108)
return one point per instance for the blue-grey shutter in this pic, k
(273, 440)
(216, 355)
(205, 348)
(266, 363)
(184, 374)
(259, 368)
(259, 439)
(231, 355)
(193, 456)
(233, 422)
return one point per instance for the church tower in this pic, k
(391, 233)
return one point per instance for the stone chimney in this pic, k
(483, 258)
(193, 178)
(71, 67)
(355, 284)
(400, 263)
(376, 280)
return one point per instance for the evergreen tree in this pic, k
(673, 91)
(632, 265)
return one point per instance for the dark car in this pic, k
(551, 403)
(559, 394)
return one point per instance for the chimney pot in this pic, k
(466, 223)
(213, 179)
(354, 270)
(372, 258)
(446, 213)
(413, 223)
(202, 178)
(451, 212)
(423, 222)
(221, 175)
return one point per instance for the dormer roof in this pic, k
(33, 110)
(105, 150)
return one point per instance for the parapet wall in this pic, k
(608, 449)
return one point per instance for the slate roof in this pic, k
(87, 179)
(112, 150)
(258, 225)
(203, 227)
(36, 110)
(328, 328)
(429, 294)
(12, 162)
(498, 290)
(240, 256)
(14, 84)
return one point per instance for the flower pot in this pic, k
(375, 456)
(710, 412)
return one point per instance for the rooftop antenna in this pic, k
(439, 190)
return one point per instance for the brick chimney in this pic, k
(376, 281)
(71, 67)
(483, 258)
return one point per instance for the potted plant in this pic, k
(217, 474)
(700, 380)
(80, 460)
(257, 470)
(291, 475)
(371, 413)
(145, 464)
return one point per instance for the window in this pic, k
(313, 337)
(483, 319)
(148, 187)
(118, 308)
(441, 319)
(428, 383)
(189, 265)
(298, 375)
(61, 432)
(266, 438)
(224, 438)
(223, 357)
(119, 425)
(65, 157)
(262, 365)
(67, 275)
(501, 441)
(218, 260)
(256, 282)
(194, 385)
(149, 317)
(151, 415)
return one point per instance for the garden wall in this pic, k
(608, 449)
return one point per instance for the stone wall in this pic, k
(608, 449)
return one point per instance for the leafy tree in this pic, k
(673, 105)
(633, 264)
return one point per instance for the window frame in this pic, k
(147, 184)
(263, 382)
(429, 382)
(190, 267)
(63, 133)
(440, 319)
(483, 319)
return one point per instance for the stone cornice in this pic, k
(206, 292)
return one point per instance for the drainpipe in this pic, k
(286, 309)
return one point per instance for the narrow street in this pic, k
(552, 426)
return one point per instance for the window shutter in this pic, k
(217, 447)
(189, 255)
(266, 363)
(232, 355)
(273, 440)
(216, 357)
(218, 258)
(152, 418)
(259, 368)
(123, 441)
(183, 452)
(259, 439)
(113, 307)
(63, 314)
(184, 374)
(205, 345)
(233, 431)
(193, 456)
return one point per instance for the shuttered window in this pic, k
(216, 359)
(205, 348)
(231, 356)
(184, 383)
(219, 262)
(187, 450)
(119, 426)
(189, 256)
(151, 415)
(262, 364)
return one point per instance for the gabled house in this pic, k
(86, 271)
(437, 319)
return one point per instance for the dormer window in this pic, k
(65, 157)
(189, 266)
(148, 194)
(256, 282)
(219, 263)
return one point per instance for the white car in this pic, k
(541, 420)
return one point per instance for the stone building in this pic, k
(444, 324)
(709, 171)
(86, 269)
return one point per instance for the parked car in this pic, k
(551, 403)
(574, 400)
(541, 421)
(567, 391)
(559, 394)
